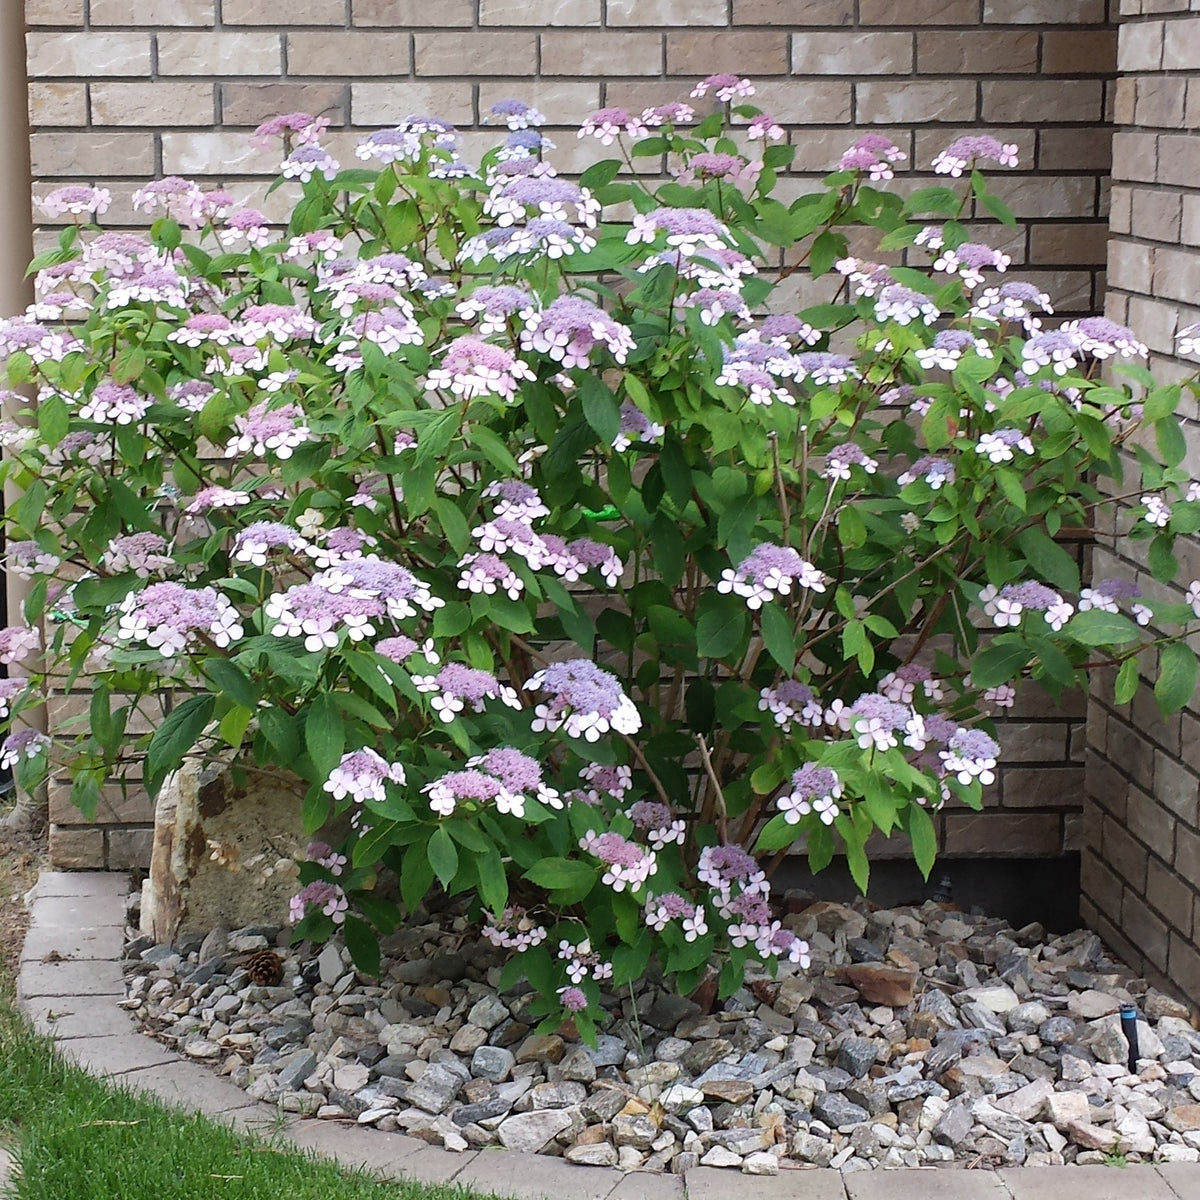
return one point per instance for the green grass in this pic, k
(76, 1138)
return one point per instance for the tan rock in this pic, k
(733, 1091)
(880, 984)
(1184, 1118)
(1091, 1137)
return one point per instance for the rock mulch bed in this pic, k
(919, 1036)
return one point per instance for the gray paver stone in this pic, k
(434, 1165)
(640, 1185)
(186, 1085)
(66, 1018)
(70, 979)
(55, 942)
(380, 1154)
(538, 1177)
(713, 1183)
(98, 887)
(1094, 1183)
(932, 1184)
(117, 1054)
(1182, 1178)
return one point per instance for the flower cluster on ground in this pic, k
(590, 601)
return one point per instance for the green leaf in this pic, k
(279, 728)
(234, 724)
(324, 734)
(998, 663)
(1049, 559)
(493, 882)
(416, 876)
(722, 625)
(1126, 684)
(1098, 628)
(493, 449)
(779, 636)
(923, 835)
(362, 944)
(369, 848)
(569, 881)
(1171, 444)
(443, 856)
(600, 408)
(230, 682)
(85, 794)
(1177, 670)
(175, 737)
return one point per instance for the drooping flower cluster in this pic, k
(814, 789)
(456, 686)
(172, 618)
(582, 700)
(514, 929)
(770, 571)
(363, 775)
(627, 865)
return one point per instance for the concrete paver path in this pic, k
(80, 917)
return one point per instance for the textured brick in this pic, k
(328, 53)
(1018, 101)
(91, 154)
(602, 54)
(87, 54)
(219, 54)
(861, 54)
(253, 103)
(1034, 12)
(487, 53)
(1160, 102)
(1074, 149)
(154, 13)
(1150, 823)
(1086, 243)
(219, 151)
(915, 101)
(565, 102)
(788, 12)
(403, 14)
(299, 12)
(1171, 896)
(804, 102)
(54, 12)
(1125, 855)
(656, 12)
(1016, 834)
(753, 54)
(1099, 883)
(918, 12)
(1124, 101)
(1140, 47)
(1042, 787)
(976, 52)
(76, 849)
(1135, 155)
(386, 103)
(1180, 52)
(152, 103)
(1185, 965)
(1130, 266)
(1145, 929)
(1079, 52)
(117, 806)
(129, 848)
(1176, 274)
(57, 104)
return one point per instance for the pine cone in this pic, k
(265, 968)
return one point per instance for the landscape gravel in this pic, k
(919, 1036)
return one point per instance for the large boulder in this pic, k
(222, 851)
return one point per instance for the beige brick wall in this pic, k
(1141, 857)
(121, 89)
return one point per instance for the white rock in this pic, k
(759, 1163)
(718, 1156)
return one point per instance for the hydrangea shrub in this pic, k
(520, 518)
